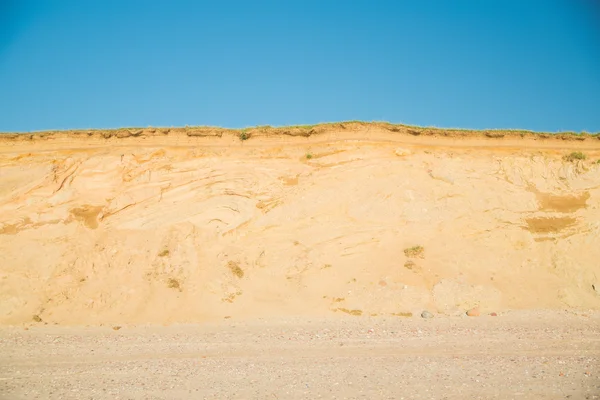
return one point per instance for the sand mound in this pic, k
(159, 227)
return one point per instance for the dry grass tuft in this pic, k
(356, 313)
(414, 252)
(235, 269)
(403, 314)
(164, 253)
(574, 156)
(173, 283)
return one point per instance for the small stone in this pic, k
(426, 314)
(596, 287)
(473, 312)
(494, 314)
(116, 328)
(402, 152)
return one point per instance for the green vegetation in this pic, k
(309, 156)
(306, 127)
(245, 133)
(574, 156)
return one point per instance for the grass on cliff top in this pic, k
(244, 131)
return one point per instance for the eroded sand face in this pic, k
(188, 229)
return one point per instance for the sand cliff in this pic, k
(187, 225)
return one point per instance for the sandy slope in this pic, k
(174, 227)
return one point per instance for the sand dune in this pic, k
(186, 226)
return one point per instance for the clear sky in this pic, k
(532, 64)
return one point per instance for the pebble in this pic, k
(426, 314)
(473, 312)
(402, 152)
(468, 349)
(494, 314)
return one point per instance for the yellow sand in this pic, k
(155, 227)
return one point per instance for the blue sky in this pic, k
(532, 64)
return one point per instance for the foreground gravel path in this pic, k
(520, 355)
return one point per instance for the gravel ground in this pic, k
(518, 355)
